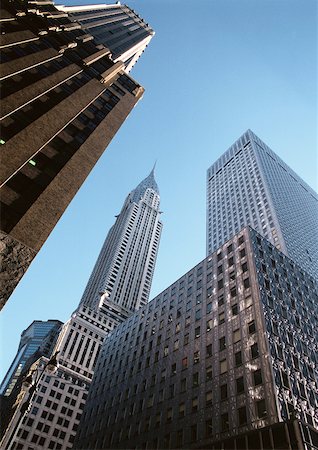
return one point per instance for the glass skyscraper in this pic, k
(250, 185)
(37, 334)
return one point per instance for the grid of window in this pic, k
(195, 358)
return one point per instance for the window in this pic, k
(209, 307)
(173, 371)
(183, 385)
(233, 291)
(208, 428)
(184, 363)
(198, 314)
(169, 415)
(209, 325)
(188, 321)
(181, 409)
(222, 343)
(221, 318)
(254, 350)
(208, 398)
(242, 253)
(223, 391)
(221, 300)
(196, 357)
(223, 366)
(238, 358)
(186, 339)
(236, 335)
(242, 416)
(235, 309)
(224, 422)
(209, 350)
(195, 404)
(193, 433)
(197, 332)
(257, 377)
(176, 344)
(251, 327)
(179, 438)
(208, 374)
(195, 379)
(178, 327)
(246, 283)
(261, 409)
(240, 385)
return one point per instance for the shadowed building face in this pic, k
(63, 100)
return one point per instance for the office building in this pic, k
(39, 339)
(226, 357)
(63, 100)
(116, 26)
(250, 185)
(40, 334)
(119, 285)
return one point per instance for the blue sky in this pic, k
(214, 69)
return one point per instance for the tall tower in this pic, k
(118, 286)
(250, 185)
(63, 99)
(130, 248)
(117, 26)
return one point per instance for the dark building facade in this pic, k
(226, 357)
(117, 26)
(63, 100)
(251, 185)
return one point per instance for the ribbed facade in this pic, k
(124, 269)
(250, 185)
(116, 26)
(224, 358)
(63, 100)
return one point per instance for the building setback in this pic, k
(250, 185)
(63, 100)
(226, 357)
(119, 285)
(116, 26)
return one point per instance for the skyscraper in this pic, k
(39, 334)
(116, 26)
(63, 100)
(119, 285)
(225, 357)
(130, 248)
(250, 185)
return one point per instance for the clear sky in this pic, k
(214, 69)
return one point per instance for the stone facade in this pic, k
(15, 260)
